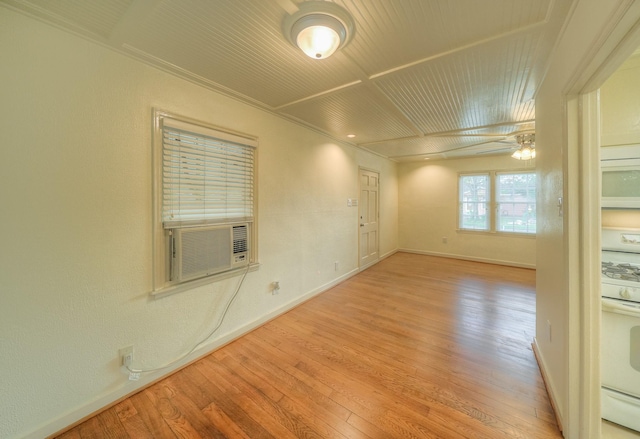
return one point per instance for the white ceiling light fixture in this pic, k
(319, 28)
(527, 150)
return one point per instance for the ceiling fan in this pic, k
(512, 142)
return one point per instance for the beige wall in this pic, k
(76, 191)
(620, 105)
(428, 212)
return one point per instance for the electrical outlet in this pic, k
(126, 356)
(337, 265)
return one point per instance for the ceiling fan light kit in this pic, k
(527, 149)
(319, 28)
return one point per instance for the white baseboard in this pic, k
(380, 258)
(128, 388)
(469, 258)
(548, 383)
(386, 255)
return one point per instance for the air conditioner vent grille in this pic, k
(240, 242)
(204, 252)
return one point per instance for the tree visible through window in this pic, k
(512, 196)
(516, 197)
(474, 190)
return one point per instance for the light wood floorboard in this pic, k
(414, 347)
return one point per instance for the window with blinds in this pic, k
(204, 224)
(207, 176)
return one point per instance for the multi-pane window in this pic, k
(516, 198)
(474, 202)
(512, 196)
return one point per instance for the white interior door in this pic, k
(369, 186)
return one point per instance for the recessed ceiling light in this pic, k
(351, 136)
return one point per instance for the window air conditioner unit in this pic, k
(202, 251)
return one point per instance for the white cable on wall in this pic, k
(134, 374)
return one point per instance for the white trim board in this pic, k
(548, 383)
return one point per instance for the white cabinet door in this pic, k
(621, 346)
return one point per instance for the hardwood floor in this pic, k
(414, 347)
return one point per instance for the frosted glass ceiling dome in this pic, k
(319, 28)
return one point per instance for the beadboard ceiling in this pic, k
(420, 79)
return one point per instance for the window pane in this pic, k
(473, 203)
(516, 195)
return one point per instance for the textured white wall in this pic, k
(428, 211)
(75, 185)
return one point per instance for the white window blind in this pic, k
(207, 176)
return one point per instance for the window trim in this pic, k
(160, 285)
(492, 203)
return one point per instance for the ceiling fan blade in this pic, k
(493, 150)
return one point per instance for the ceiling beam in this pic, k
(460, 133)
(462, 48)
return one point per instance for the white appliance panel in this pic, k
(620, 347)
(621, 240)
(621, 352)
(620, 177)
(621, 290)
(621, 409)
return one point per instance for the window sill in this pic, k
(493, 233)
(189, 285)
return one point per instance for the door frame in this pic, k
(583, 162)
